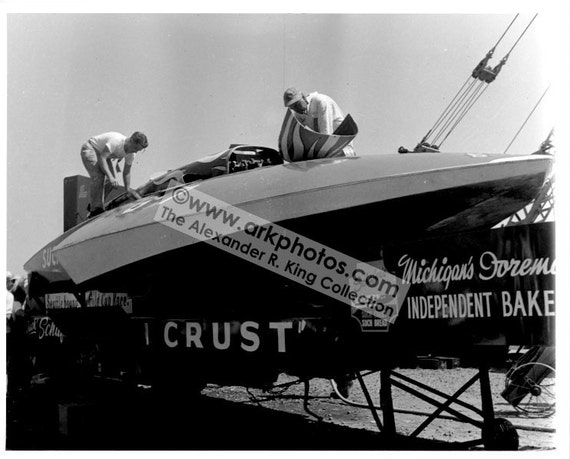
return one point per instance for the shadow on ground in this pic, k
(139, 420)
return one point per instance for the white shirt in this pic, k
(9, 304)
(324, 116)
(114, 143)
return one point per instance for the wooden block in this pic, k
(450, 362)
(431, 364)
(72, 417)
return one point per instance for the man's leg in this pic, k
(97, 192)
(107, 189)
(89, 158)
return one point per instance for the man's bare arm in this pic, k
(103, 160)
(127, 181)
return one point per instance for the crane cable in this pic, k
(468, 95)
(527, 118)
(453, 103)
(505, 32)
(521, 35)
(474, 99)
(451, 109)
(459, 112)
(440, 119)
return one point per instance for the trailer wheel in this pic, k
(502, 437)
(533, 387)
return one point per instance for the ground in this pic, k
(236, 418)
(535, 432)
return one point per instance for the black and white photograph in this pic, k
(280, 229)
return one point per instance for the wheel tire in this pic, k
(541, 404)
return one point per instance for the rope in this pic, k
(505, 32)
(459, 112)
(444, 114)
(467, 96)
(284, 51)
(527, 118)
(454, 113)
(484, 88)
(521, 35)
(452, 108)
(450, 115)
(446, 109)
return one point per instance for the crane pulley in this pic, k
(473, 88)
(486, 73)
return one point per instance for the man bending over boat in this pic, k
(97, 154)
(318, 112)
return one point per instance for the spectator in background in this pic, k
(18, 364)
(9, 296)
(16, 294)
(20, 289)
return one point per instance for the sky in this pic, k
(196, 83)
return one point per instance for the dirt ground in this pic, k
(535, 432)
(237, 418)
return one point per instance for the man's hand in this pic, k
(114, 182)
(132, 193)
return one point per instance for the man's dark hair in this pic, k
(140, 139)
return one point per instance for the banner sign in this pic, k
(44, 328)
(492, 286)
(61, 300)
(93, 299)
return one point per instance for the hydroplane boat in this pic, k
(177, 312)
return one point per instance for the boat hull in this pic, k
(146, 288)
(450, 194)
